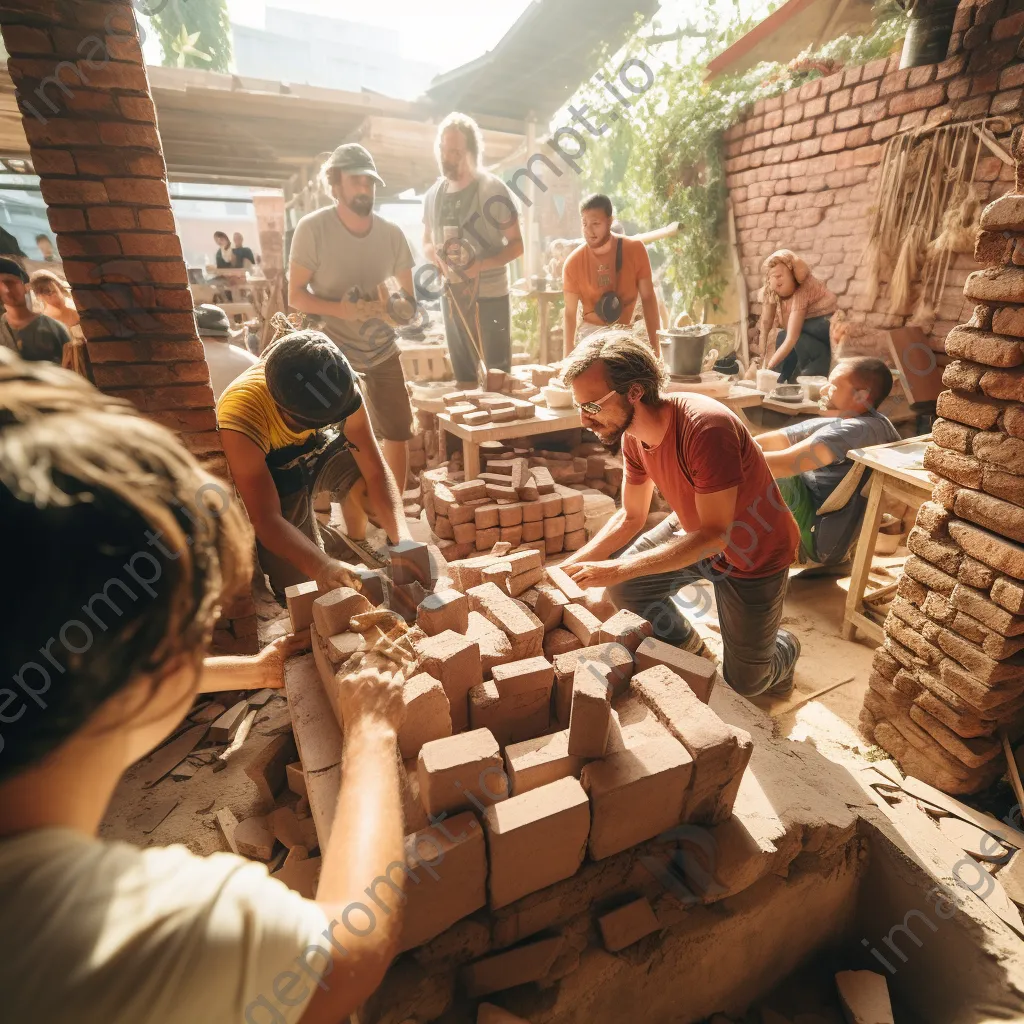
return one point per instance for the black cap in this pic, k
(212, 321)
(13, 268)
(354, 159)
(311, 380)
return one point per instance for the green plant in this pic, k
(194, 34)
(666, 162)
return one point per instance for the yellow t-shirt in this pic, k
(246, 406)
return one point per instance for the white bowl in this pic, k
(767, 379)
(557, 398)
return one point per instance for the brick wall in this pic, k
(91, 125)
(802, 169)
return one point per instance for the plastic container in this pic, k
(766, 380)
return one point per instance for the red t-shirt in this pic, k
(707, 449)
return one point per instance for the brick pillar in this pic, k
(951, 672)
(91, 125)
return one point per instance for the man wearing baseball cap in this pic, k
(35, 337)
(294, 426)
(341, 257)
(225, 360)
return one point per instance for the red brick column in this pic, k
(91, 125)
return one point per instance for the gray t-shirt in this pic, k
(478, 216)
(41, 340)
(841, 435)
(340, 262)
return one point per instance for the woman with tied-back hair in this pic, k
(798, 302)
(123, 552)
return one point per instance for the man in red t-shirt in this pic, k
(730, 525)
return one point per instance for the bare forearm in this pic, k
(279, 537)
(235, 673)
(384, 496)
(683, 550)
(615, 534)
(652, 320)
(569, 332)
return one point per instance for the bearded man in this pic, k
(730, 526)
(341, 258)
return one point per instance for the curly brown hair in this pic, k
(626, 362)
(126, 548)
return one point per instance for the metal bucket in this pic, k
(683, 348)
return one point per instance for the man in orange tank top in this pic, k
(730, 525)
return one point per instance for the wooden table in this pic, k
(546, 421)
(891, 477)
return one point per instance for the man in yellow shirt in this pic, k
(295, 425)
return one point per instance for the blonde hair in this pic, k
(470, 132)
(50, 278)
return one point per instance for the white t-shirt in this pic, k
(93, 932)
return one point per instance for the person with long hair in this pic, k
(127, 550)
(55, 295)
(798, 302)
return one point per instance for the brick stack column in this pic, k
(91, 125)
(951, 672)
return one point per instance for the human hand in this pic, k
(372, 696)
(337, 574)
(274, 655)
(595, 574)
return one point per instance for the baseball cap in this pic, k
(351, 158)
(212, 321)
(13, 268)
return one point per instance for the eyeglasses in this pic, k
(594, 408)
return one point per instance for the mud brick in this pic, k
(476, 419)
(522, 628)
(991, 513)
(933, 519)
(978, 606)
(967, 726)
(699, 673)
(582, 623)
(410, 562)
(636, 795)
(974, 691)
(885, 664)
(627, 925)
(332, 611)
(984, 347)
(451, 768)
(501, 480)
(906, 683)
(961, 469)
(540, 761)
(720, 752)
(464, 513)
(542, 478)
(964, 408)
(427, 714)
(990, 548)
(614, 662)
(1008, 486)
(550, 605)
(518, 966)
(574, 522)
(341, 647)
(533, 532)
(938, 609)
(590, 716)
(510, 718)
(574, 541)
(954, 436)
(1004, 384)
(465, 533)
(486, 539)
(910, 589)
(497, 491)
(625, 627)
(962, 376)
(944, 493)
(519, 584)
(443, 528)
(520, 475)
(565, 583)
(554, 818)
(499, 573)
(444, 609)
(996, 284)
(976, 661)
(944, 555)
(926, 573)
(375, 584)
(486, 516)
(495, 647)
(406, 599)
(299, 598)
(523, 676)
(999, 449)
(1005, 213)
(1008, 594)
(510, 515)
(447, 895)
(533, 512)
(468, 490)
(572, 500)
(551, 505)
(455, 661)
(442, 498)
(976, 574)
(502, 467)
(972, 752)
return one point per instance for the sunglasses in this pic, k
(594, 408)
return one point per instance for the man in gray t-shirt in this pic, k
(471, 234)
(811, 459)
(341, 258)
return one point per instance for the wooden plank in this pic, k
(170, 755)
(316, 731)
(224, 729)
(227, 823)
(149, 820)
(862, 558)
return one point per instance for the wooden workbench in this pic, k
(894, 475)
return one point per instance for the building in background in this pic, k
(309, 49)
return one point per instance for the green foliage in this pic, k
(194, 34)
(526, 323)
(665, 162)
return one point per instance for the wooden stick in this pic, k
(785, 709)
(1011, 764)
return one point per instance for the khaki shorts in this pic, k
(387, 400)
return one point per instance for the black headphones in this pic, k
(609, 306)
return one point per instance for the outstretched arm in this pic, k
(799, 458)
(793, 329)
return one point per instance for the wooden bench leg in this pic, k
(471, 459)
(865, 551)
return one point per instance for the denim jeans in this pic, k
(812, 354)
(495, 331)
(749, 612)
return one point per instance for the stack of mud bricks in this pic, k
(96, 150)
(801, 167)
(541, 731)
(951, 673)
